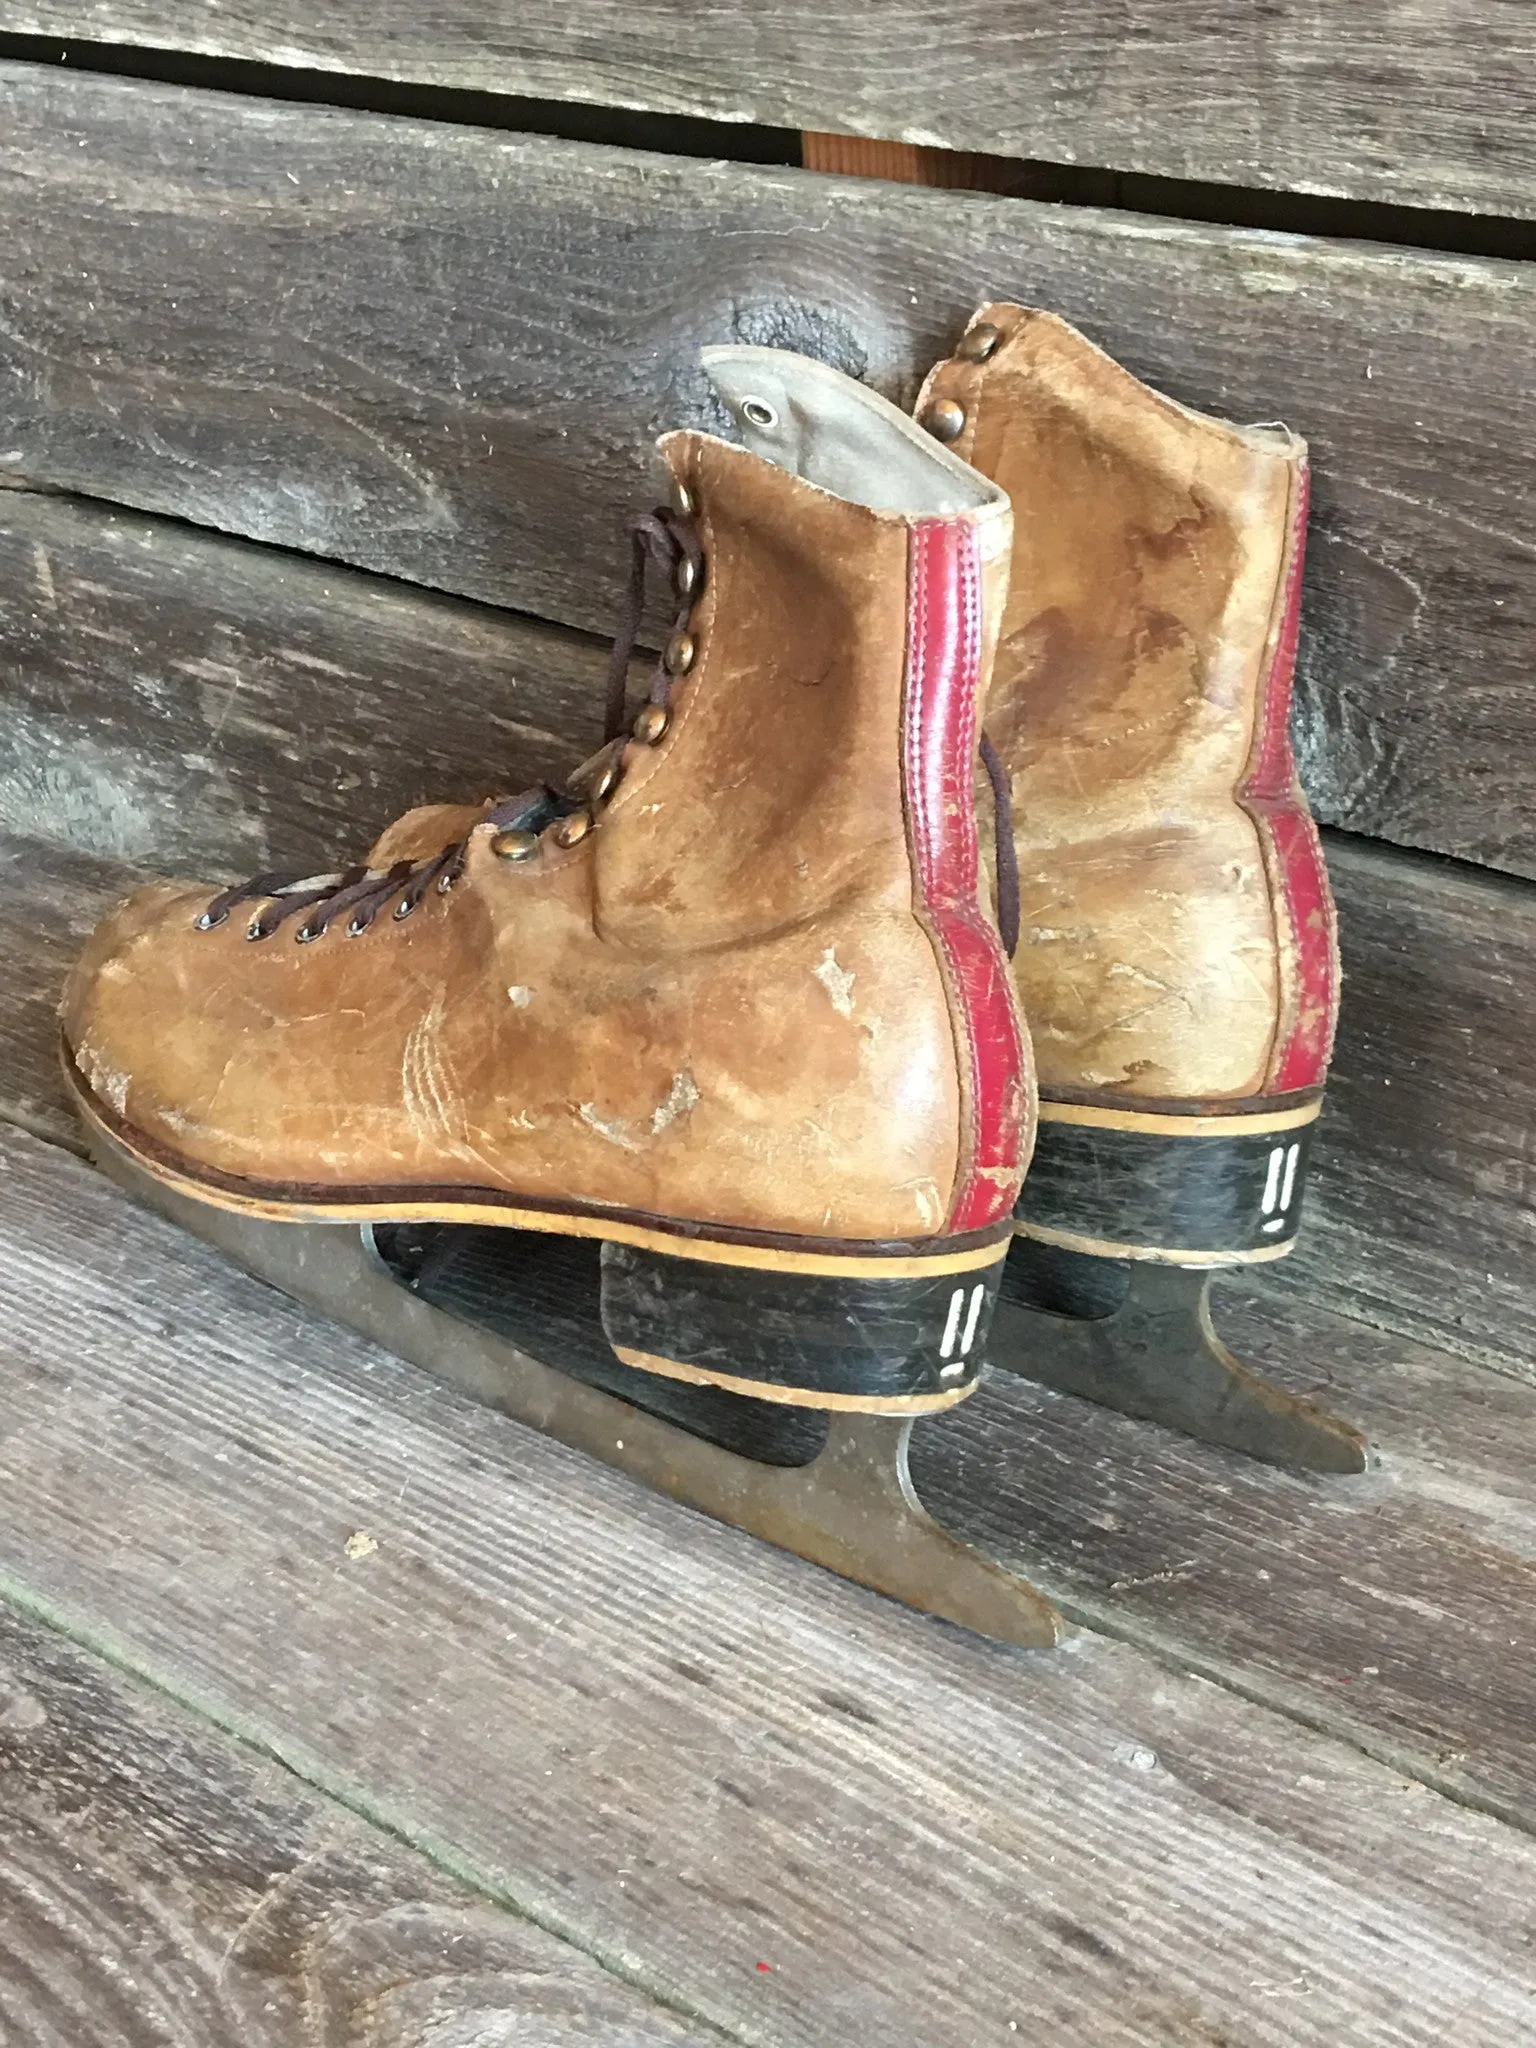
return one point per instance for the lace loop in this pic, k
(664, 540)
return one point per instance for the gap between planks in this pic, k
(308, 1769)
(154, 1873)
(499, 1630)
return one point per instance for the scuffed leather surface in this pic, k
(719, 1006)
(421, 833)
(1149, 559)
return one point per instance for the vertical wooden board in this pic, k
(161, 1887)
(1428, 105)
(170, 699)
(442, 352)
(1423, 1214)
(1390, 1607)
(681, 1745)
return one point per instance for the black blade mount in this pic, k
(1138, 1337)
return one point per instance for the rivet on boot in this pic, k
(684, 504)
(681, 649)
(515, 845)
(979, 342)
(945, 419)
(652, 724)
(572, 830)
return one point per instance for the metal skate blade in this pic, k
(851, 1508)
(1157, 1357)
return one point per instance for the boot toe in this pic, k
(124, 998)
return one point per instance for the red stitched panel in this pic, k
(1271, 794)
(943, 678)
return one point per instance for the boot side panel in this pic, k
(770, 827)
(1136, 649)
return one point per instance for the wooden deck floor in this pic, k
(336, 1709)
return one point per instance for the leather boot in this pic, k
(1178, 960)
(728, 1003)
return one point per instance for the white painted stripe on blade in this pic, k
(951, 1328)
(971, 1320)
(1275, 1223)
(1272, 1184)
(1289, 1189)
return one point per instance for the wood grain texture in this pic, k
(172, 699)
(442, 353)
(1424, 1217)
(1392, 1608)
(162, 1887)
(50, 898)
(178, 701)
(1430, 105)
(681, 1747)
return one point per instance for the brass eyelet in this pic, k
(404, 907)
(208, 923)
(606, 783)
(684, 503)
(256, 930)
(308, 933)
(506, 846)
(356, 926)
(945, 419)
(682, 649)
(685, 578)
(652, 724)
(572, 830)
(978, 342)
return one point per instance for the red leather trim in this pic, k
(1272, 797)
(939, 758)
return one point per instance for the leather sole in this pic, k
(897, 1330)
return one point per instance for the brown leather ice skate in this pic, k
(729, 1004)
(1178, 961)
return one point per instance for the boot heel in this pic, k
(886, 1346)
(1198, 1190)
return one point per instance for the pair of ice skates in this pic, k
(686, 1109)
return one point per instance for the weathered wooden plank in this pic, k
(1426, 1210)
(161, 1887)
(170, 698)
(1430, 108)
(50, 898)
(176, 701)
(679, 1745)
(441, 352)
(1393, 1608)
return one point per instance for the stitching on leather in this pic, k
(938, 905)
(965, 748)
(1267, 799)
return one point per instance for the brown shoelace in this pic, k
(666, 541)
